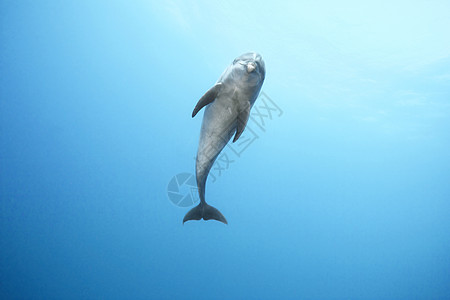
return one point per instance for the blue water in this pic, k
(344, 194)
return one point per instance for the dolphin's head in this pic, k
(253, 64)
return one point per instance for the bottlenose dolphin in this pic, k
(228, 105)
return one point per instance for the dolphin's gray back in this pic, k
(218, 126)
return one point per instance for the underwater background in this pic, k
(340, 189)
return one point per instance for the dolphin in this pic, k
(227, 110)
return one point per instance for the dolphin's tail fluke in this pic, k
(205, 212)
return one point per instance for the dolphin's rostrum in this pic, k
(228, 105)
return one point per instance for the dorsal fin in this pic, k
(207, 98)
(242, 120)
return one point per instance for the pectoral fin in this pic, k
(242, 122)
(207, 98)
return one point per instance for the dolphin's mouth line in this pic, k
(249, 66)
